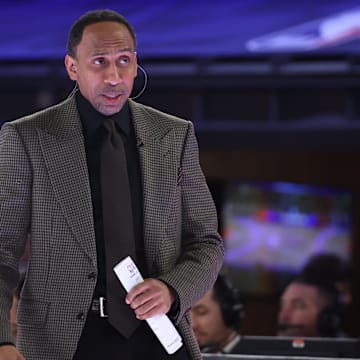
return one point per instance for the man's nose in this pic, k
(283, 314)
(113, 76)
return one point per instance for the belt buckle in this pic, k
(102, 301)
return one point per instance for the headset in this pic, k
(329, 320)
(231, 305)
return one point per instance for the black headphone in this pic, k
(231, 305)
(329, 320)
(324, 271)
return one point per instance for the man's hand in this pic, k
(9, 352)
(151, 297)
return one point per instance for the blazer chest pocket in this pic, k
(32, 313)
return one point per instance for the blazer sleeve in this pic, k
(15, 204)
(202, 249)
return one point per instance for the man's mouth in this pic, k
(112, 98)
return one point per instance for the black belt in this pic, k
(98, 306)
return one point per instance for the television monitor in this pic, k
(270, 230)
(287, 346)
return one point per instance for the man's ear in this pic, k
(70, 65)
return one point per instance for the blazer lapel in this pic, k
(159, 171)
(63, 151)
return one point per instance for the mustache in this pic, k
(113, 89)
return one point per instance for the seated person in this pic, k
(309, 309)
(217, 317)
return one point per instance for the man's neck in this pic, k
(231, 343)
(231, 335)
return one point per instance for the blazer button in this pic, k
(80, 316)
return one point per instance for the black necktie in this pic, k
(118, 226)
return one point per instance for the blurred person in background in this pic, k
(309, 309)
(217, 318)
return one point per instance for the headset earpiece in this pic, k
(231, 305)
(330, 318)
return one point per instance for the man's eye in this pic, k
(300, 305)
(202, 312)
(124, 60)
(98, 61)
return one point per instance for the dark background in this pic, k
(273, 111)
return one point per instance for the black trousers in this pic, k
(100, 340)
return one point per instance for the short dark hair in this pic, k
(326, 290)
(93, 17)
(327, 268)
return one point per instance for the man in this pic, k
(309, 309)
(217, 317)
(50, 184)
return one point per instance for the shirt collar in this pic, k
(92, 120)
(228, 347)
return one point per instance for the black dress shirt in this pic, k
(92, 122)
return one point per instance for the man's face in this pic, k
(299, 310)
(105, 66)
(207, 322)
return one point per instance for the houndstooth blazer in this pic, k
(44, 190)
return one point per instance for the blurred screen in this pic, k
(196, 28)
(271, 229)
